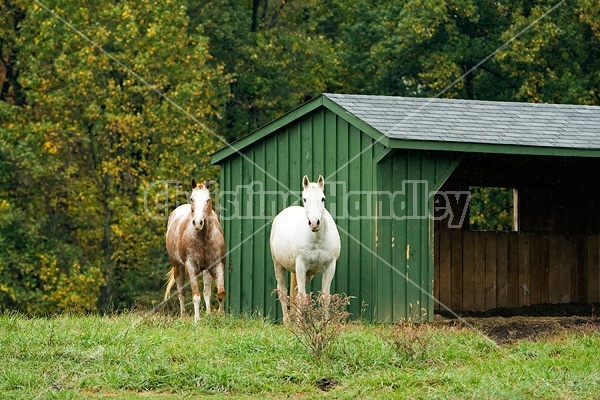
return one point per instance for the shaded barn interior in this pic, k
(552, 255)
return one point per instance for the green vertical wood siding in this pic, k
(317, 143)
(405, 258)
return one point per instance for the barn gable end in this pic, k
(266, 177)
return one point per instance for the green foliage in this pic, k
(90, 139)
(13, 13)
(491, 209)
(542, 67)
(273, 57)
(82, 139)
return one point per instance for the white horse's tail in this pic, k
(171, 278)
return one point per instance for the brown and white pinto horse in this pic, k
(196, 244)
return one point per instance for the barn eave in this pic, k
(491, 148)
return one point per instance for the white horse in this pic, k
(195, 244)
(306, 242)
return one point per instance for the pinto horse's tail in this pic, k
(171, 278)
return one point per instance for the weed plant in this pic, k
(317, 321)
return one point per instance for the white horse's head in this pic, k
(314, 201)
(201, 204)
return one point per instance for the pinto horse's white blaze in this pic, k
(306, 242)
(195, 244)
(199, 201)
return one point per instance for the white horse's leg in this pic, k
(280, 273)
(299, 301)
(208, 280)
(293, 285)
(293, 293)
(326, 286)
(195, 292)
(219, 276)
(328, 278)
(301, 276)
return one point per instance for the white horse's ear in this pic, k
(305, 181)
(321, 181)
(207, 184)
(193, 184)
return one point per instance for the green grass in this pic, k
(131, 356)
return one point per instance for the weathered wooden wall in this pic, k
(478, 271)
(570, 209)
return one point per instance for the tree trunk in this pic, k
(254, 24)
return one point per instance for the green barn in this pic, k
(399, 174)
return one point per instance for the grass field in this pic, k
(157, 356)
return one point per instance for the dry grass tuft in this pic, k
(316, 321)
(411, 340)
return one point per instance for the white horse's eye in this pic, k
(323, 199)
(304, 200)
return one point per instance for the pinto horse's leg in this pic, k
(280, 273)
(218, 275)
(180, 281)
(191, 270)
(208, 280)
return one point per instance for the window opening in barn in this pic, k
(493, 209)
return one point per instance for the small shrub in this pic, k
(317, 321)
(412, 341)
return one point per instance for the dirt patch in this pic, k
(325, 384)
(507, 325)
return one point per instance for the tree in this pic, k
(557, 60)
(99, 136)
(491, 209)
(272, 55)
(422, 47)
(10, 89)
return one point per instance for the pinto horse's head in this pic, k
(201, 204)
(314, 201)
